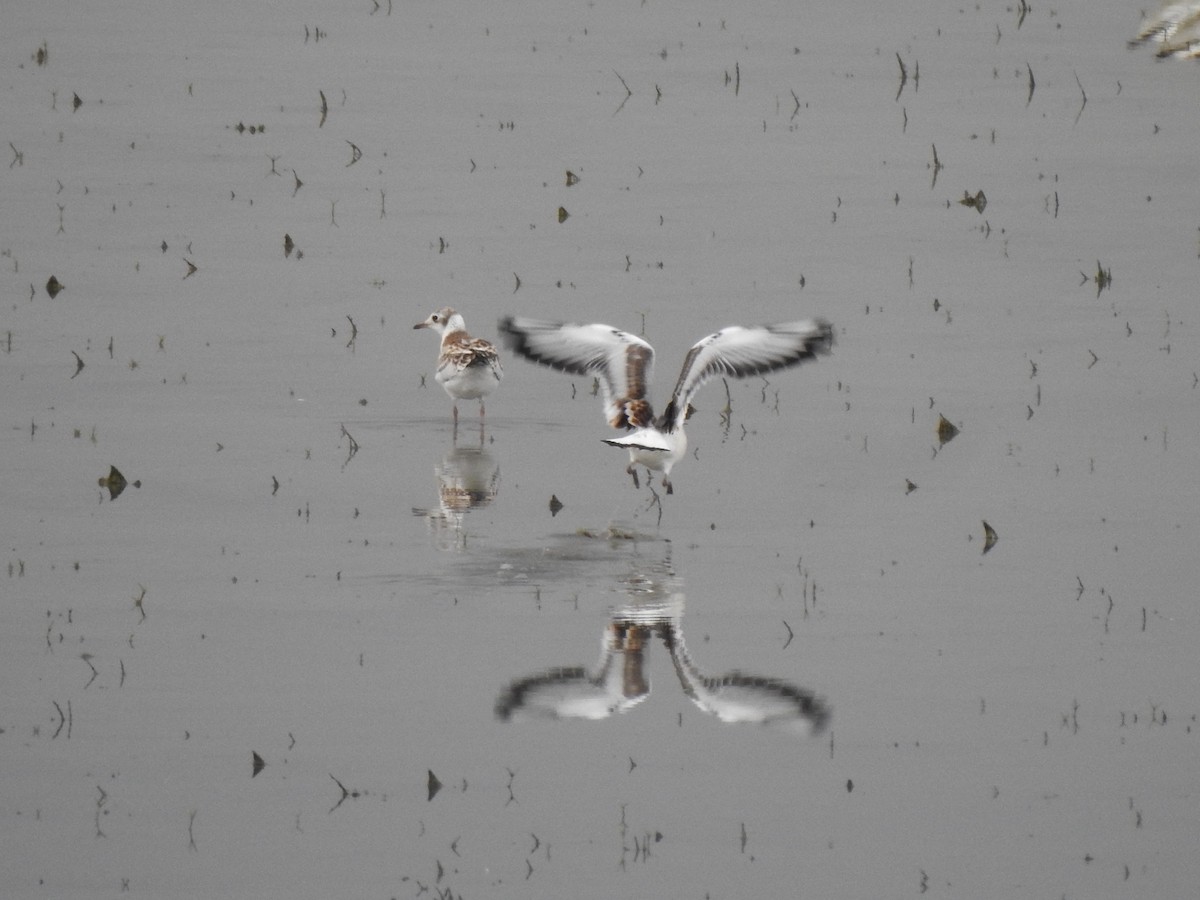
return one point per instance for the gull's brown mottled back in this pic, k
(467, 367)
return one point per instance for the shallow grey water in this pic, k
(1017, 722)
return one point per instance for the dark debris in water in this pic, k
(989, 537)
(115, 483)
(946, 430)
(613, 533)
(977, 203)
(1103, 278)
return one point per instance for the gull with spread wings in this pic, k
(623, 364)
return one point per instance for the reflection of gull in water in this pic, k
(623, 363)
(618, 684)
(467, 479)
(738, 697)
(620, 681)
(1174, 30)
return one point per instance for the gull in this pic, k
(623, 364)
(467, 367)
(1175, 29)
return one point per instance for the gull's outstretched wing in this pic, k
(623, 362)
(739, 352)
(1174, 29)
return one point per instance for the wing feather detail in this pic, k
(739, 352)
(622, 362)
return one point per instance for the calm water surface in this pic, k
(797, 675)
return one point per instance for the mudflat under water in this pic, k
(321, 645)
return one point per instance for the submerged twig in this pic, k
(628, 92)
(353, 445)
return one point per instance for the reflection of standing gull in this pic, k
(620, 681)
(1174, 29)
(467, 479)
(467, 367)
(624, 365)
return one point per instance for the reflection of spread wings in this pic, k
(564, 693)
(753, 699)
(748, 699)
(621, 682)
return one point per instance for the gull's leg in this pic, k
(632, 470)
(667, 484)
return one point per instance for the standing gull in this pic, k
(467, 367)
(623, 363)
